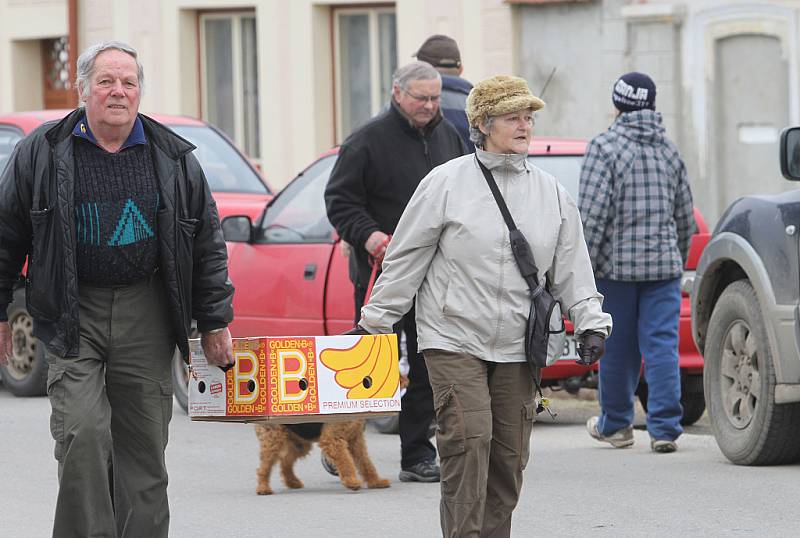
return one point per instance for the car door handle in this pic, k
(310, 271)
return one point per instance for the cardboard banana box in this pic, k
(298, 379)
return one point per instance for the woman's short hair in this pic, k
(414, 71)
(86, 65)
(476, 136)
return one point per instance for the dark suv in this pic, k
(746, 322)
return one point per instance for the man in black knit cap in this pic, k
(124, 249)
(638, 219)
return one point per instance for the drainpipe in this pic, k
(72, 39)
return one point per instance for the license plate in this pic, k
(570, 349)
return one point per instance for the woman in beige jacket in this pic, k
(451, 251)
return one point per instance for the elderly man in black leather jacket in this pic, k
(124, 248)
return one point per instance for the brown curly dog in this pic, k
(342, 443)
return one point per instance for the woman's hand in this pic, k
(358, 329)
(591, 347)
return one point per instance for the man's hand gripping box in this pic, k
(298, 379)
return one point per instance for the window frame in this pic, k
(373, 13)
(236, 17)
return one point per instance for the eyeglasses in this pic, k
(423, 98)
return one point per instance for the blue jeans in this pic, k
(646, 317)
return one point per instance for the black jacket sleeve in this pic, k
(15, 224)
(212, 290)
(346, 196)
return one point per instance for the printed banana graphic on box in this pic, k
(295, 379)
(370, 369)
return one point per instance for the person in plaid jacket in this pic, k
(638, 218)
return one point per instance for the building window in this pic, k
(229, 71)
(365, 58)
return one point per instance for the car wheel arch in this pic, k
(728, 257)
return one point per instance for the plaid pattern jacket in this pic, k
(635, 201)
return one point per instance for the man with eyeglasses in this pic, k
(378, 169)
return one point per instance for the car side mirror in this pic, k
(237, 229)
(790, 153)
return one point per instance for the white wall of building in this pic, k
(22, 24)
(295, 57)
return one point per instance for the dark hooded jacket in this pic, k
(454, 102)
(36, 220)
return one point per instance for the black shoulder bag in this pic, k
(545, 333)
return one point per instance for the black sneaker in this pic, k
(328, 465)
(424, 471)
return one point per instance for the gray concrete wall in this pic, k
(591, 43)
(569, 39)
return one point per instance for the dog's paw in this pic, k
(378, 483)
(294, 483)
(264, 490)
(355, 485)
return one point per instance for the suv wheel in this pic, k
(739, 382)
(26, 371)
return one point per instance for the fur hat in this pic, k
(499, 95)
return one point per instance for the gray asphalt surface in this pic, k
(574, 486)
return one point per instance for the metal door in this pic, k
(751, 106)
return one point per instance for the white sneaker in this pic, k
(619, 439)
(663, 446)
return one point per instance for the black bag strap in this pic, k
(501, 203)
(519, 245)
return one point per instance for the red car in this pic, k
(291, 274)
(238, 190)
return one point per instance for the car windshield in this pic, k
(298, 215)
(565, 168)
(8, 139)
(225, 168)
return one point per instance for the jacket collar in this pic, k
(135, 138)
(517, 162)
(401, 117)
(456, 84)
(169, 142)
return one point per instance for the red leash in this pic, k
(375, 263)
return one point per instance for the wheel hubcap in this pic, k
(740, 375)
(20, 363)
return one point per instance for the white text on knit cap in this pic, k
(629, 95)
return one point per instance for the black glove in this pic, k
(591, 348)
(358, 329)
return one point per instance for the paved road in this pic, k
(574, 486)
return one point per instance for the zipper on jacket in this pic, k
(498, 296)
(427, 153)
